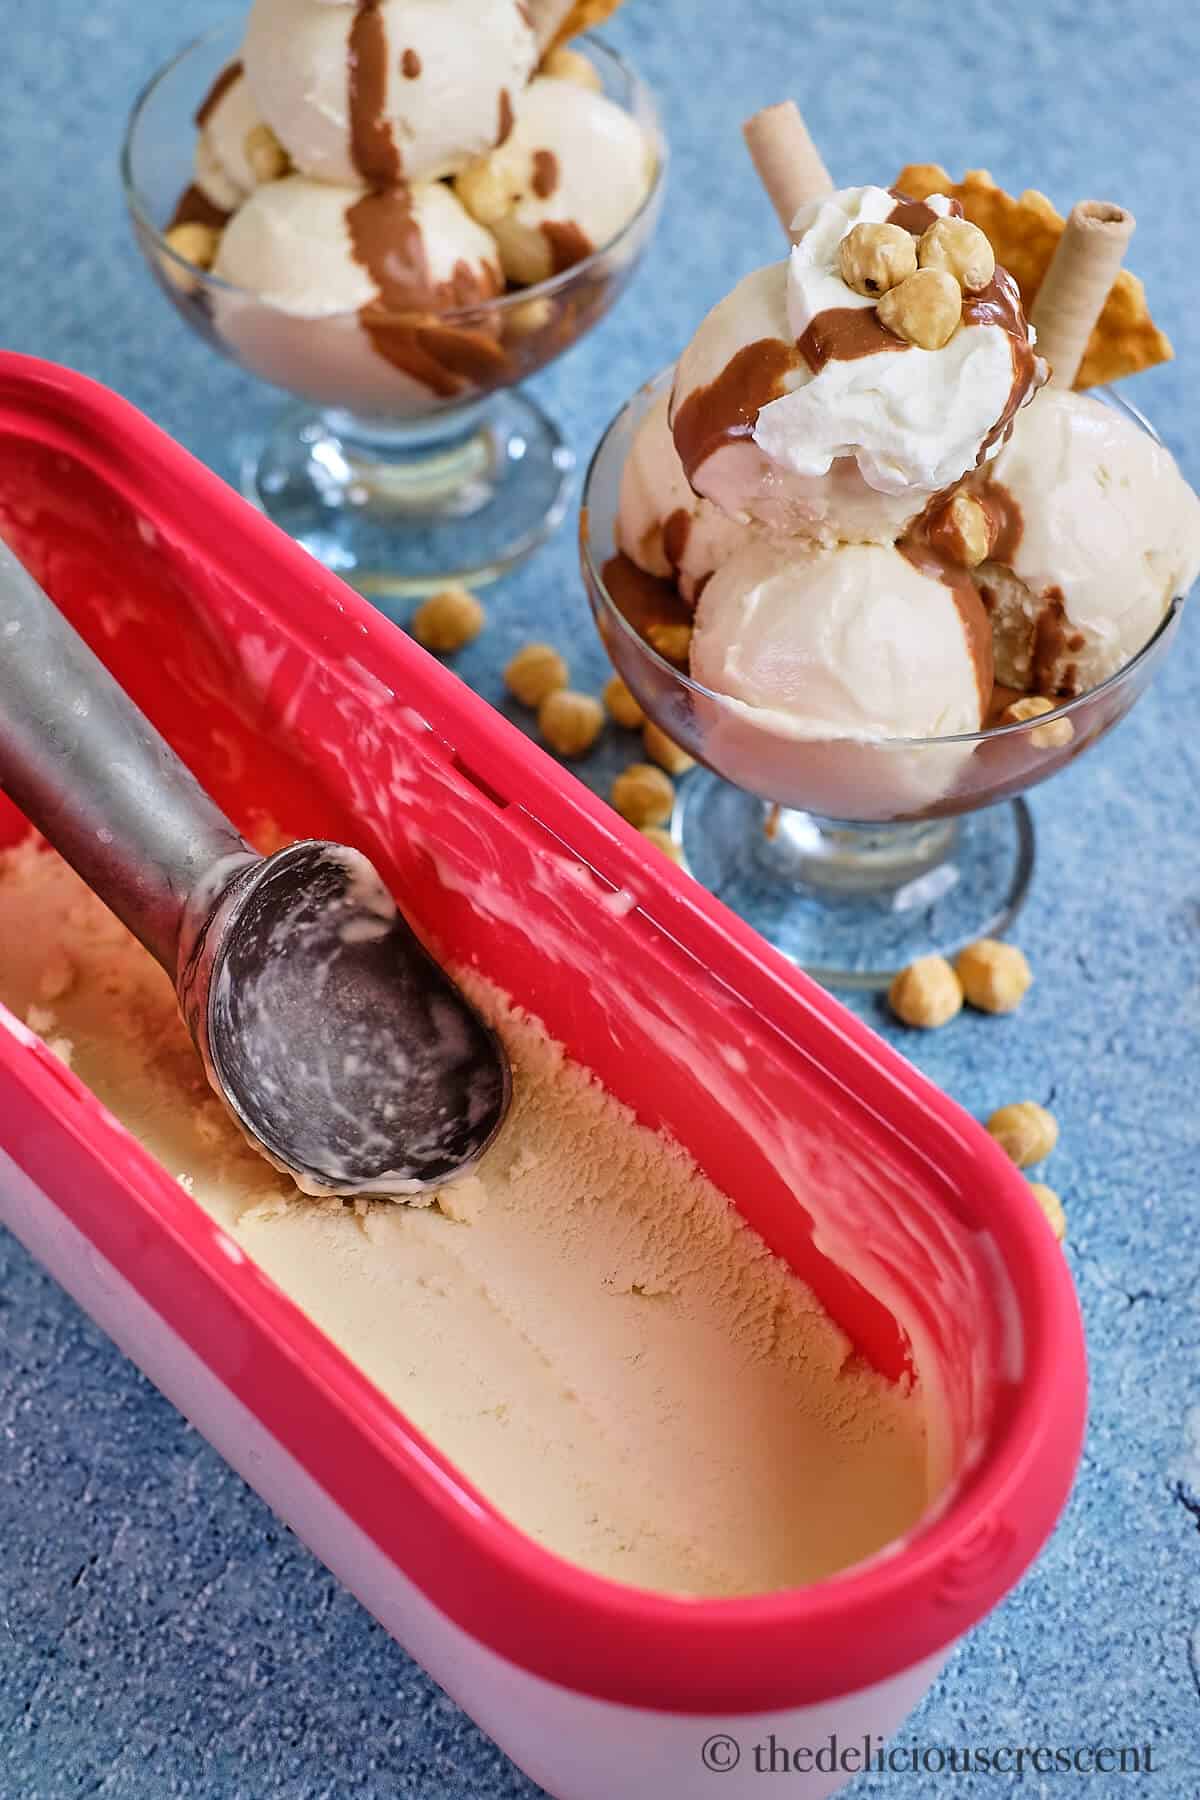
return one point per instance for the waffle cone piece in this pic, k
(1024, 231)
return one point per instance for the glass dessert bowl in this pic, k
(411, 456)
(853, 855)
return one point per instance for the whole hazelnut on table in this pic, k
(874, 258)
(926, 994)
(1025, 1131)
(448, 621)
(961, 249)
(665, 751)
(622, 705)
(925, 310)
(643, 794)
(535, 671)
(995, 976)
(1052, 1206)
(662, 840)
(569, 722)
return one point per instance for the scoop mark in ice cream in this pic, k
(545, 173)
(373, 149)
(216, 94)
(402, 323)
(727, 409)
(568, 244)
(507, 117)
(410, 65)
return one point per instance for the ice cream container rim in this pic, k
(496, 307)
(993, 734)
(542, 1612)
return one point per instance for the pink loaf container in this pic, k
(292, 699)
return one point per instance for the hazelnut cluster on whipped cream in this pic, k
(383, 163)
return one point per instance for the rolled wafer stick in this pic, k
(1077, 283)
(788, 162)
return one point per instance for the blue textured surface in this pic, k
(160, 1633)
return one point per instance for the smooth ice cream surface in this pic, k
(662, 524)
(410, 89)
(823, 658)
(1100, 533)
(794, 405)
(851, 642)
(566, 181)
(587, 1329)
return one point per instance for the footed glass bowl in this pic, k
(396, 488)
(852, 856)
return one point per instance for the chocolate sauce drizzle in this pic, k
(373, 149)
(727, 409)
(545, 173)
(568, 244)
(195, 208)
(216, 94)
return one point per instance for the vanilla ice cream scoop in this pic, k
(1097, 534)
(823, 653)
(375, 269)
(233, 146)
(401, 90)
(794, 404)
(662, 525)
(568, 179)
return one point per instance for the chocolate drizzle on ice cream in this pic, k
(217, 93)
(727, 409)
(373, 147)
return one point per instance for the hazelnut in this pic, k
(529, 317)
(925, 310)
(1052, 1206)
(643, 795)
(1043, 737)
(662, 840)
(874, 258)
(622, 705)
(926, 994)
(564, 64)
(964, 531)
(995, 977)
(447, 621)
(569, 722)
(665, 751)
(961, 250)
(196, 243)
(265, 154)
(535, 671)
(1024, 1131)
(672, 641)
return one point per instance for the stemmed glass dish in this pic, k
(852, 855)
(396, 488)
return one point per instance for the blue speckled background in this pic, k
(160, 1633)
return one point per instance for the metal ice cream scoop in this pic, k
(345, 1053)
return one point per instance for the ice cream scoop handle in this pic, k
(94, 776)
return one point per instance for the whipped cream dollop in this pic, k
(910, 418)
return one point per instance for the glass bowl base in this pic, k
(852, 904)
(398, 513)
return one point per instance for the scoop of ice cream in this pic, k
(1098, 532)
(796, 405)
(662, 525)
(230, 130)
(822, 653)
(373, 271)
(568, 179)
(404, 89)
